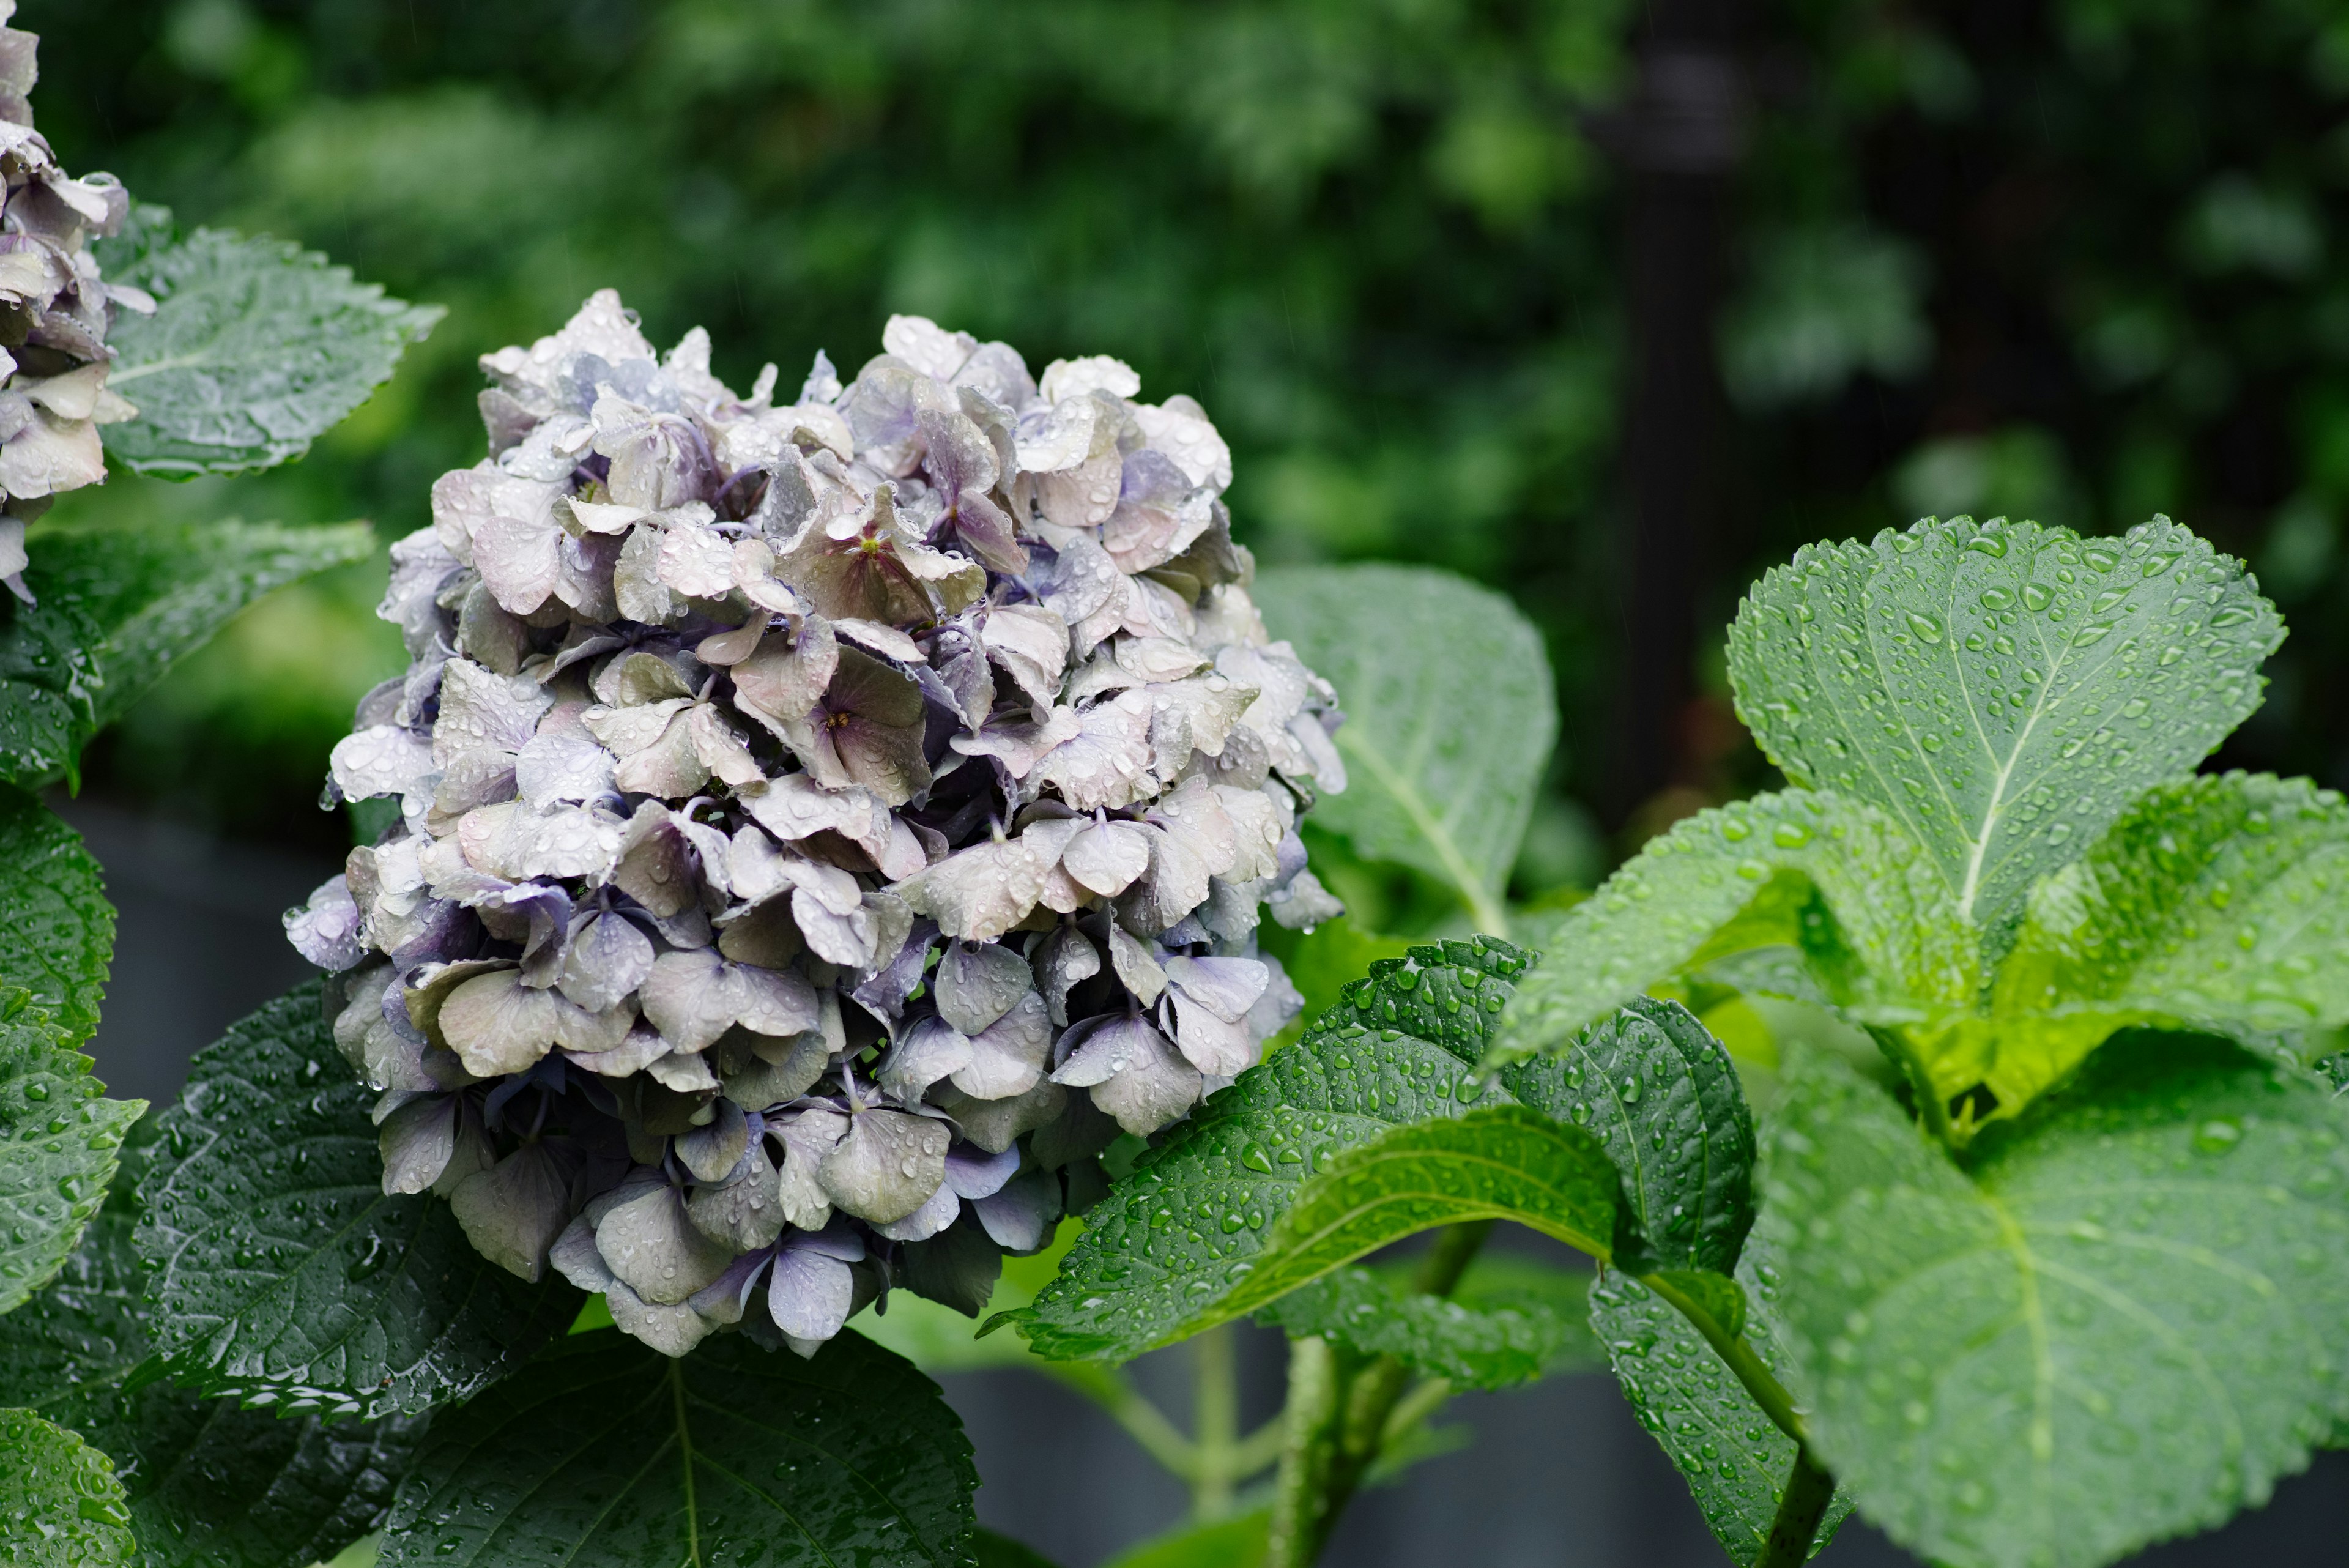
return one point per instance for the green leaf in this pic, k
(609, 1455)
(1239, 1542)
(1180, 1231)
(56, 930)
(1663, 1097)
(2004, 692)
(1449, 716)
(2117, 1323)
(282, 1271)
(1476, 1343)
(1001, 1552)
(2209, 905)
(1889, 948)
(1734, 1460)
(208, 1483)
(118, 606)
(258, 347)
(1498, 1162)
(60, 1506)
(60, 1139)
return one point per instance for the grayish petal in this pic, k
(1019, 1217)
(978, 982)
(886, 1166)
(512, 1211)
(653, 1249)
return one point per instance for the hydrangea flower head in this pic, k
(825, 827)
(55, 310)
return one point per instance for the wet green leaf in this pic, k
(118, 606)
(610, 1455)
(1479, 1339)
(2004, 690)
(60, 1139)
(1160, 1253)
(56, 930)
(258, 348)
(282, 1271)
(2117, 1322)
(60, 1506)
(1449, 716)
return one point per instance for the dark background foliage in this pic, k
(1608, 308)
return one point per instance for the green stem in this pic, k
(1342, 1412)
(1733, 1350)
(1215, 1428)
(1301, 1488)
(1809, 1490)
(1142, 1421)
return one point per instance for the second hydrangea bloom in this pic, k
(822, 826)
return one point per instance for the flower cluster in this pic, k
(54, 313)
(823, 828)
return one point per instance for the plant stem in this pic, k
(1733, 1350)
(1341, 1414)
(1809, 1490)
(1301, 1488)
(1142, 1421)
(1214, 1426)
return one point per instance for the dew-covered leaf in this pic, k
(56, 930)
(118, 606)
(610, 1455)
(60, 1505)
(209, 1485)
(1495, 1162)
(2005, 690)
(2117, 1323)
(1479, 1339)
(1734, 1460)
(2217, 903)
(60, 1139)
(282, 1271)
(1449, 716)
(1891, 949)
(1663, 1097)
(1171, 1239)
(257, 348)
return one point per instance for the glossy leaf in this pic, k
(209, 1485)
(1174, 1236)
(1449, 716)
(257, 348)
(1475, 1342)
(1235, 1543)
(56, 930)
(2002, 690)
(2119, 1322)
(60, 1506)
(117, 605)
(610, 1455)
(1734, 1460)
(282, 1271)
(1498, 1162)
(2217, 903)
(1892, 950)
(60, 1139)
(1661, 1096)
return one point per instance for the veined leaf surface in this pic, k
(2119, 1321)
(283, 1273)
(257, 348)
(2218, 903)
(610, 1455)
(1449, 716)
(56, 930)
(2004, 690)
(60, 1505)
(118, 606)
(60, 1140)
(207, 1483)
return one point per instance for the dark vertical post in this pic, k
(1678, 143)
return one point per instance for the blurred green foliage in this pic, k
(2073, 259)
